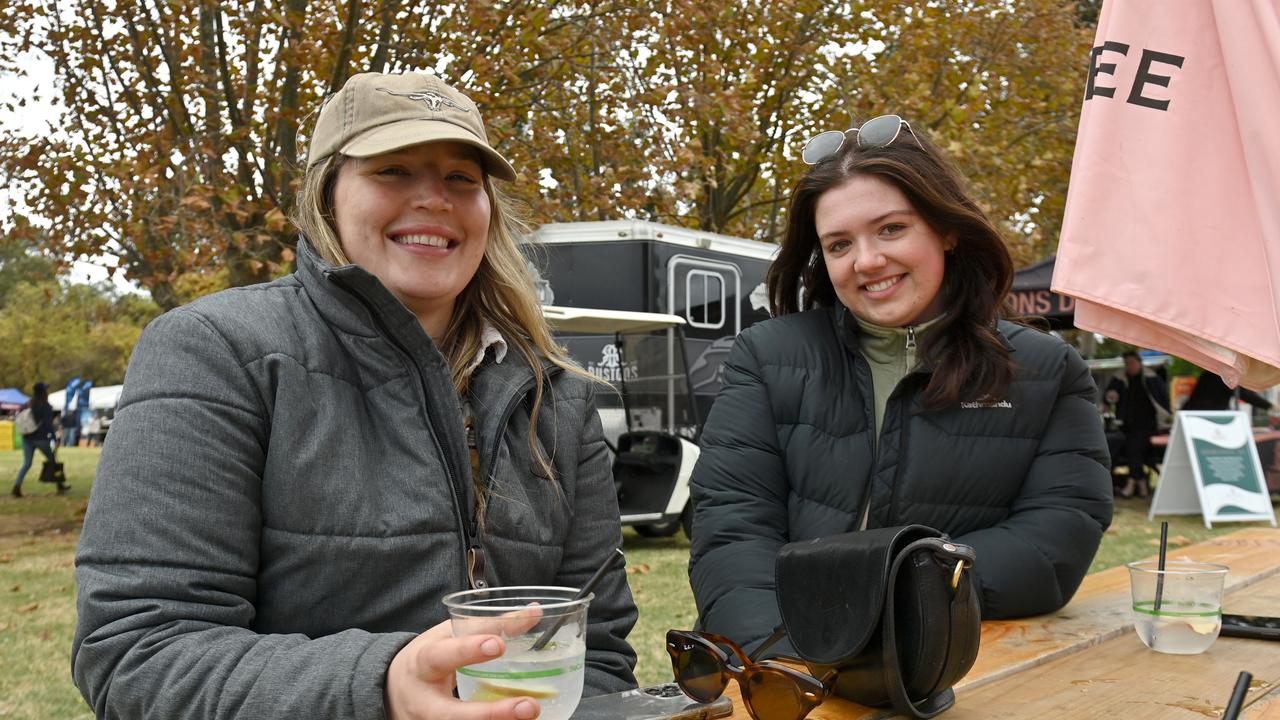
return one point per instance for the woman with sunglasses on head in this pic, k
(300, 471)
(890, 390)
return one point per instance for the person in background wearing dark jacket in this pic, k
(300, 471)
(1142, 400)
(41, 439)
(1211, 393)
(887, 390)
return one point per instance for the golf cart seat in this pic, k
(645, 470)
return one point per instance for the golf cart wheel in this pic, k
(658, 530)
(669, 528)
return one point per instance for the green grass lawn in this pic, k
(37, 594)
(38, 537)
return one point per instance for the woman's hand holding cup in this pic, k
(420, 680)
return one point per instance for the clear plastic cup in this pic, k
(1188, 616)
(521, 615)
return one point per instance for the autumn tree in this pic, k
(996, 84)
(184, 128)
(52, 332)
(180, 144)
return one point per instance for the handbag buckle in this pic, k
(955, 576)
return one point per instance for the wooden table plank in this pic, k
(1123, 677)
(1099, 612)
(1266, 708)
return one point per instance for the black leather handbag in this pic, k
(53, 472)
(893, 610)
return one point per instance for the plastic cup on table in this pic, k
(1177, 610)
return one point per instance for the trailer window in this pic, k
(705, 299)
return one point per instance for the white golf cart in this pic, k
(651, 424)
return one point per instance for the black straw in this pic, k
(1237, 696)
(1164, 542)
(608, 565)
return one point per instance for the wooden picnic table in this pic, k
(1085, 661)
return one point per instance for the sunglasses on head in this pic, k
(874, 133)
(770, 691)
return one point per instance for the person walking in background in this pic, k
(322, 458)
(888, 390)
(70, 421)
(40, 438)
(1142, 409)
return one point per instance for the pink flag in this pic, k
(1171, 237)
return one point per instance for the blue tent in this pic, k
(12, 398)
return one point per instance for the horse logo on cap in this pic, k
(433, 99)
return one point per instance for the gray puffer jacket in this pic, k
(283, 499)
(788, 454)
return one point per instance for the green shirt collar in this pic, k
(884, 345)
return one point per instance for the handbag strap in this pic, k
(937, 703)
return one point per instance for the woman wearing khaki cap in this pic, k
(299, 471)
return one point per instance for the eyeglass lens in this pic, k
(879, 131)
(772, 696)
(822, 146)
(700, 674)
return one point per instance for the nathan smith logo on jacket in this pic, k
(986, 403)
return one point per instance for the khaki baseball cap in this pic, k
(375, 113)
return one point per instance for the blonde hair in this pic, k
(501, 293)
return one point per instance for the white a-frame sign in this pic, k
(1211, 467)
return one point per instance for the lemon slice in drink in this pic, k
(487, 691)
(1204, 627)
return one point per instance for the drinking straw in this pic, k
(1237, 696)
(608, 565)
(1164, 542)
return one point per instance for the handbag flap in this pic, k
(831, 590)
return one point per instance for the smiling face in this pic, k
(885, 262)
(418, 220)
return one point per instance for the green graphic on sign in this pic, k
(1227, 466)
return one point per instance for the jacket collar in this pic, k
(847, 330)
(356, 302)
(347, 296)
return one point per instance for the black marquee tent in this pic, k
(1032, 297)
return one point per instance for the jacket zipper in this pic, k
(864, 507)
(475, 553)
(511, 408)
(471, 551)
(864, 514)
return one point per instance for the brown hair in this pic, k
(969, 361)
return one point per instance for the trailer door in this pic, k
(705, 293)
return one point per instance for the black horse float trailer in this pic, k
(716, 283)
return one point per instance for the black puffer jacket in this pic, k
(787, 454)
